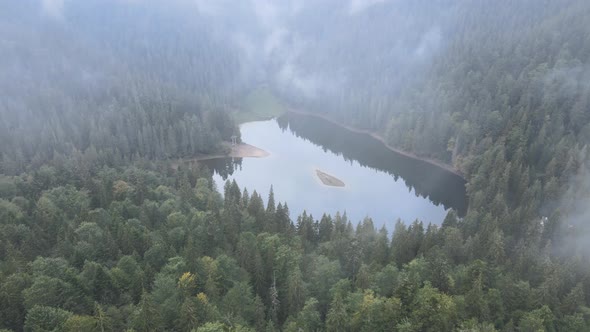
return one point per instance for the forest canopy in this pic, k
(103, 228)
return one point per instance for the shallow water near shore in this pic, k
(380, 183)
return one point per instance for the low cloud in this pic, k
(290, 77)
(267, 13)
(56, 8)
(53, 8)
(429, 43)
(276, 40)
(568, 80)
(575, 209)
(209, 7)
(357, 6)
(274, 44)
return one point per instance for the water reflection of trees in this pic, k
(225, 167)
(427, 180)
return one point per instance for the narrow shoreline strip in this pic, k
(241, 150)
(437, 163)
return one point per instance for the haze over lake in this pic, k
(379, 183)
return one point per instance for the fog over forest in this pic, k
(110, 220)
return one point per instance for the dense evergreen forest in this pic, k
(102, 229)
(501, 97)
(118, 87)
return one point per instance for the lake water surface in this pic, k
(379, 183)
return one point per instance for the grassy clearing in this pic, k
(260, 104)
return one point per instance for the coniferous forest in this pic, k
(104, 228)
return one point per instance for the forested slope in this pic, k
(151, 249)
(497, 89)
(99, 232)
(112, 80)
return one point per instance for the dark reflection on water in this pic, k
(224, 167)
(380, 183)
(427, 180)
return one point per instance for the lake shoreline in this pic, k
(447, 167)
(242, 150)
(375, 180)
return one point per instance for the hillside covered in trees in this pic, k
(502, 97)
(101, 229)
(151, 249)
(119, 86)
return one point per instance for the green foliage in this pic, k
(81, 323)
(127, 105)
(433, 311)
(99, 231)
(220, 327)
(125, 270)
(41, 319)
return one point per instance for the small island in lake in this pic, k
(328, 179)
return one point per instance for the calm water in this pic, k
(379, 183)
